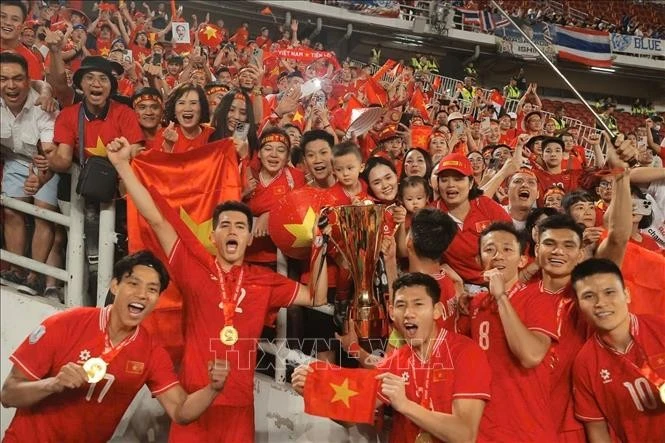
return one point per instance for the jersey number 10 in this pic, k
(641, 393)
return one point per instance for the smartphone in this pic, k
(157, 59)
(257, 54)
(128, 57)
(642, 142)
(241, 131)
(459, 130)
(485, 124)
(319, 101)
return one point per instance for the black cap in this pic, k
(95, 63)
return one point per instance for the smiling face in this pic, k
(604, 301)
(501, 250)
(584, 212)
(136, 295)
(383, 182)
(414, 164)
(558, 251)
(149, 113)
(14, 85)
(188, 110)
(477, 162)
(318, 159)
(522, 190)
(414, 314)
(231, 237)
(454, 188)
(11, 19)
(273, 157)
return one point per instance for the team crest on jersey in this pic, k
(37, 334)
(405, 377)
(605, 375)
(480, 226)
(657, 361)
(135, 367)
(84, 355)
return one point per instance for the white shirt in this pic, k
(657, 229)
(20, 134)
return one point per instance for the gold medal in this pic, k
(95, 368)
(228, 335)
(424, 437)
(661, 390)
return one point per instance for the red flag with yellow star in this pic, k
(340, 393)
(420, 136)
(210, 35)
(192, 183)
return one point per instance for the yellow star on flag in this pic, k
(200, 230)
(420, 141)
(298, 117)
(342, 392)
(104, 52)
(303, 231)
(210, 32)
(99, 150)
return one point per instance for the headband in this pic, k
(554, 190)
(276, 137)
(239, 96)
(218, 89)
(146, 97)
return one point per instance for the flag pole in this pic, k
(554, 68)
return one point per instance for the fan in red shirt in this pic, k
(619, 375)
(187, 111)
(266, 186)
(438, 383)
(516, 326)
(553, 172)
(149, 108)
(12, 16)
(464, 202)
(105, 119)
(76, 374)
(347, 165)
(222, 297)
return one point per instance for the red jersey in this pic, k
(447, 300)
(568, 180)
(647, 243)
(184, 144)
(120, 121)
(139, 53)
(462, 252)
(260, 291)
(609, 386)
(91, 412)
(35, 66)
(264, 198)
(519, 410)
(458, 370)
(341, 197)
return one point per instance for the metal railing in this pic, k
(75, 273)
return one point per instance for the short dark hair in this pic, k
(175, 60)
(432, 231)
(595, 266)
(561, 221)
(275, 130)
(18, 4)
(411, 279)
(232, 205)
(12, 57)
(347, 147)
(503, 227)
(297, 155)
(125, 266)
(412, 182)
(316, 134)
(179, 91)
(531, 220)
(575, 197)
(372, 163)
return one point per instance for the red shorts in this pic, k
(221, 424)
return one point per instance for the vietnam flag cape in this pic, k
(186, 187)
(341, 393)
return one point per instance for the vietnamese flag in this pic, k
(351, 105)
(420, 135)
(374, 92)
(387, 66)
(340, 393)
(210, 35)
(192, 183)
(418, 102)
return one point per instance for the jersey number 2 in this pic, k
(640, 392)
(109, 379)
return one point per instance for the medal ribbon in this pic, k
(229, 304)
(424, 400)
(645, 369)
(110, 351)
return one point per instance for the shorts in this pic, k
(14, 175)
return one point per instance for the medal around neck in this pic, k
(228, 335)
(95, 368)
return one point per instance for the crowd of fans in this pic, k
(459, 161)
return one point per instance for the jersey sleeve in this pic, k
(183, 264)
(162, 376)
(35, 356)
(284, 291)
(473, 375)
(540, 315)
(586, 406)
(65, 127)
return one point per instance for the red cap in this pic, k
(455, 162)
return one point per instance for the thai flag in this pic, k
(500, 21)
(470, 16)
(585, 46)
(487, 21)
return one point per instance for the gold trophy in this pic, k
(357, 233)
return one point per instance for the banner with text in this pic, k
(634, 45)
(510, 41)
